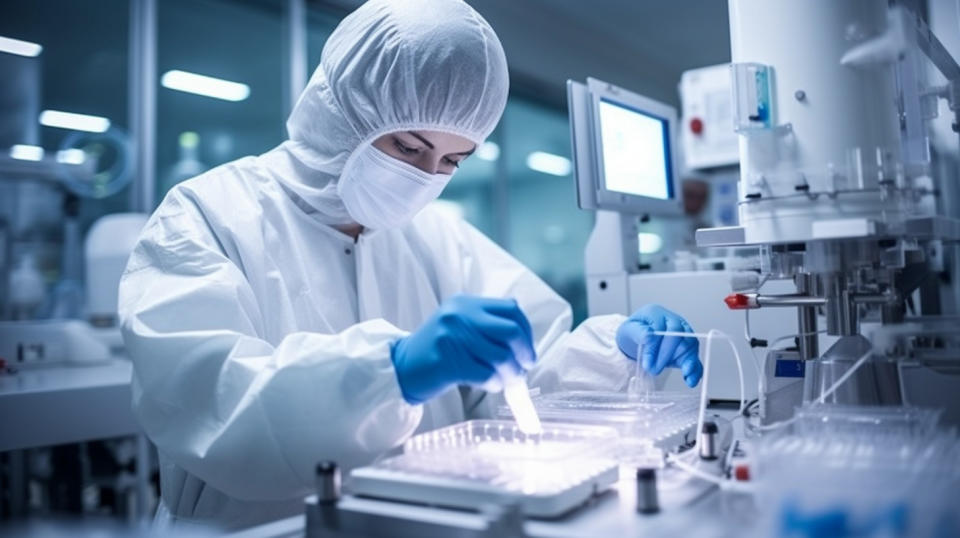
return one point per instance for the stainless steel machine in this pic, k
(832, 104)
(841, 219)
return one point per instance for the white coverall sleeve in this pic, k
(248, 417)
(490, 271)
(586, 359)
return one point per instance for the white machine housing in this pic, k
(831, 104)
(831, 138)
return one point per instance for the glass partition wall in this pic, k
(222, 82)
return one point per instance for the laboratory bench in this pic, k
(56, 405)
(69, 404)
(688, 506)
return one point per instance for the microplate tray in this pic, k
(483, 461)
(660, 420)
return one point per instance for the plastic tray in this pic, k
(867, 420)
(888, 471)
(503, 439)
(480, 461)
(663, 418)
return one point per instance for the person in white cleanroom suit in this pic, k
(305, 305)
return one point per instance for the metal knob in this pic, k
(647, 502)
(328, 482)
(708, 441)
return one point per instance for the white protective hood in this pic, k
(390, 66)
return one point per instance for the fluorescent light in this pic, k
(548, 163)
(77, 122)
(488, 151)
(71, 156)
(204, 85)
(26, 153)
(20, 48)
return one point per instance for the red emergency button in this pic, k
(696, 126)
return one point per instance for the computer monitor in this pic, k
(623, 152)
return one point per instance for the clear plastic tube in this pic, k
(724, 483)
(761, 364)
(709, 336)
(846, 375)
(641, 384)
(518, 400)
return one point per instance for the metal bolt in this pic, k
(800, 95)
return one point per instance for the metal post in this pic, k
(143, 102)
(842, 319)
(807, 321)
(501, 190)
(296, 51)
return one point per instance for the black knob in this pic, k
(708, 441)
(328, 482)
(647, 502)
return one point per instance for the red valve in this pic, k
(696, 126)
(738, 301)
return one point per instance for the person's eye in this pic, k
(406, 150)
(455, 164)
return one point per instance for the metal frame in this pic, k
(296, 13)
(143, 103)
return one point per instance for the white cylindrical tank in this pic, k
(832, 137)
(108, 246)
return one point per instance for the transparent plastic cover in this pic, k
(493, 453)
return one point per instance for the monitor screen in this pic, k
(636, 151)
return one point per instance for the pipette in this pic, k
(518, 400)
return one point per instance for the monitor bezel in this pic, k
(598, 91)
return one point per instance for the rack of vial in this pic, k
(648, 424)
(867, 471)
(482, 461)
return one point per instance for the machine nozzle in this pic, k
(741, 301)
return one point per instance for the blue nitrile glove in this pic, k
(468, 341)
(660, 352)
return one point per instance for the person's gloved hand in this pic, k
(468, 341)
(660, 352)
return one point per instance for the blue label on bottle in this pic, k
(789, 368)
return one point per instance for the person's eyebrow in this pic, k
(422, 139)
(430, 145)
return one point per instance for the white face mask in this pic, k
(381, 192)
